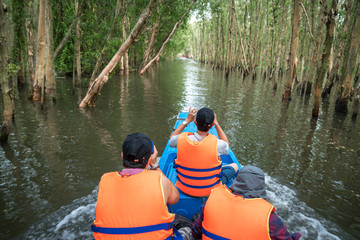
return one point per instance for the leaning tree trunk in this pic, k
(231, 33)
(346, 89)
(157, 57)
(151, 43)
(334, 71)
(103, 53)
(7, 90)
(290, 73)
(279, 46)
(95, 87)
(329, 17)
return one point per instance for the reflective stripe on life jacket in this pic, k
(197, 165)
(227, 216)
(132, 207)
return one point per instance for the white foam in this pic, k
(298, 216)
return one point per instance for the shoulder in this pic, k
(223, 147)
(173, 141)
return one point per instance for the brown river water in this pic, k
(56, 155)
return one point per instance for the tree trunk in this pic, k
(30, 66)
(357, 94)
(313, 64)
(157, 57)
(334, 72)
(40, 55)
(279, 46)
(330, 25)
(68, 33)
(231, 36)
(290, 73)
(7, 90)
(346, 89)
(95, 87)
(151, 43)
(50, 83)
(124, 24)
(77, 47)
(100, 59)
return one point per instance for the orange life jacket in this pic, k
(197, 165)
(132, 207)
(235, 217)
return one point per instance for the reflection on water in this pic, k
(56, 156)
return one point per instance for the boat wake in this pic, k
(298, 216)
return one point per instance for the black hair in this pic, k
(129, 163)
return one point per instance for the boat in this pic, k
(187, 206)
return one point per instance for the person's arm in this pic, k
(278, 230)
(181, 127)
(171, 194)
(219, 130)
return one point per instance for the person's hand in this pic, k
(153, 157)
(215, 120)
(191, 115)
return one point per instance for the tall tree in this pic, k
(281, 33)
(290, 73)
(77, 45)
(340, 50)
(329, 16)
(100, 59)
(156, 58)
(231, 36)
(95, 87)
(357, 94)
(6, 88)
(44, 73)
(346, 89)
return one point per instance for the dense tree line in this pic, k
(310, 44)
(313, 45)
(42, 38)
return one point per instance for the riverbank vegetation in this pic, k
(310, 46)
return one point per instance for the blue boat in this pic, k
(187, 205)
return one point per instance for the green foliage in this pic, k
(12, 69)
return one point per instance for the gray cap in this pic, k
(250, 182)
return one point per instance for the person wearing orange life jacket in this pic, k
(243, 213)
(198, 163)
(131, 204)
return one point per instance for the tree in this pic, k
(329, 16)
(103, 53)
(156, 58)
(346, 89)
(44, 73)
(7, 90)
(95, 87)
(290, 73)
(231, 33)
(334, 71)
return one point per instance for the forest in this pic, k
(306, 47)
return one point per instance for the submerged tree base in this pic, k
(341, 106)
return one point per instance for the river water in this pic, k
(56, 155)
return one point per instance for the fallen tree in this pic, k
(94, 88)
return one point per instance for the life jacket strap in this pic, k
(197, 169)
(194, 186)
(134, 230)
(199, 178)
(212, 235)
